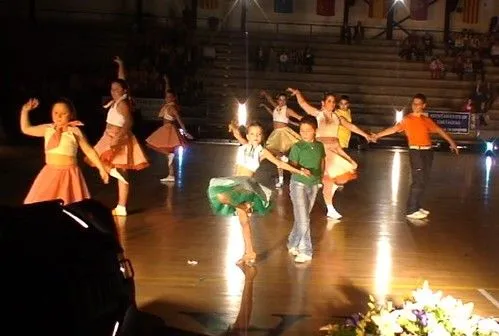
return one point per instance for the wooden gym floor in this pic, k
(372, 250)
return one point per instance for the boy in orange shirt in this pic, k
(417, 128)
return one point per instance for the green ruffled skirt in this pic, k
(238, 189)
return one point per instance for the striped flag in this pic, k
(470, 11)
(419, 10)
(283, 6)
(208, 4)
(379, 8)
(325, 7)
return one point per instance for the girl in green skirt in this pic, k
(241, 195)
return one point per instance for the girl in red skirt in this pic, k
(60, 178)
(167, 138)
(118, 147)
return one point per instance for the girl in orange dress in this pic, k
(60, 178)
(340, 167)
(118, 148)
(168, 137)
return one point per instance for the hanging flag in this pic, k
(419, 10)
(470, 11)
(208, 4)
(325, 7)
(379, 8)
(283, 6)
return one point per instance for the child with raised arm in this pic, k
(340, 167)
(310, 154)
(60, 178)
(167, 138)
(242, 194)
(417, 128)
(282, 137)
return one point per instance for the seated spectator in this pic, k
(437, 68)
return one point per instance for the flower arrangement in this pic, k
(426, 313)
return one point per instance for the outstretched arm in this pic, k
(352, 127)
(389, 131)
(267, 109)
(303, 103)
(26, 127)
(269, 99)
(293, 114)
(443, 134)
(280, 164)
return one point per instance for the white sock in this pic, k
(170, 159)
(120, 207)
(281, 176)
(171, 156)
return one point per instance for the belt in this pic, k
(420, 147)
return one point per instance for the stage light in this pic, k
(242, 114)
(399, 114)
(489, 146)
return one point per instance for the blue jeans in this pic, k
(303, 199)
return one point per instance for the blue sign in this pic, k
(452, 122)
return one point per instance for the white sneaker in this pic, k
(293, 251)
(424, 211)
(169, 178)
(416, 215)
(284, 158)
(302, 258)
(116, 174)
(332, 213)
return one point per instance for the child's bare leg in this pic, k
(249, 253)
(328, 190)
(340, 151)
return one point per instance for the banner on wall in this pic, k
(470, 11)
(325, 7)
(419, 10)
(378, 8)
(283, 6)
(452, 122)
(208, 4)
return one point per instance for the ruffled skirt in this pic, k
(281, 140)
(338, 169)
(238, 190)
(129, 156)
(165, 139)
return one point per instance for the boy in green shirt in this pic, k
(309, 154)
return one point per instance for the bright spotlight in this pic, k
(399, 114)
(242, 114)
(489, 146)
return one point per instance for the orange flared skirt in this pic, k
(128, 156)
(58, 182)
(338, 169)
(165, 139)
